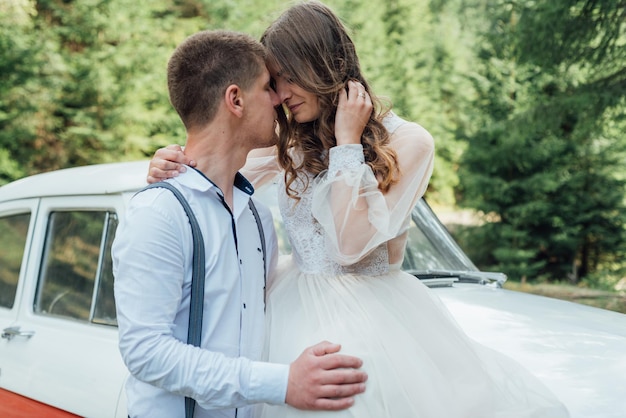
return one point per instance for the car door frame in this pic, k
(17, 207)
(92, 384)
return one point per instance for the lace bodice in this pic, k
(308, 242)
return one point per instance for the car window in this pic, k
(430, 247)
(420, 253)
(104, 308)
(13, 230)
(76, 279)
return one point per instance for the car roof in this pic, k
(92, 180)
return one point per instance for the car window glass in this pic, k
(72, 263)
(13, 230)
(104, 312)
(430, 246)
(284, 247)
(420, 253)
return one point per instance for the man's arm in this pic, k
(320, 378)
(151, 248)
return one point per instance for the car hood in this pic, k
(578, 351)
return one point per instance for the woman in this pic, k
(351, 175)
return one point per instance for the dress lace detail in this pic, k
(308, 242)
(344, 157)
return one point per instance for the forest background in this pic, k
(525, 100)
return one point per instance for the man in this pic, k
(221, 90)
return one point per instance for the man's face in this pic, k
(262, 111)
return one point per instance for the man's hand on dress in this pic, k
(168, 162)
(323, 379)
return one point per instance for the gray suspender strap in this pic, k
(194, 333)
(196, 305)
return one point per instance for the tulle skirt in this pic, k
(420, 364)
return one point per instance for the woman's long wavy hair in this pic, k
(311, 46)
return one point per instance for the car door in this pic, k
(69, 357)
(16, 222)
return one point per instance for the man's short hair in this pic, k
(204, 65)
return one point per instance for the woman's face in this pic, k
(303, 105)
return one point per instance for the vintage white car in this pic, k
(58, 351)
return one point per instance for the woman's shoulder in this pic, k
(410, 140)
(402, 130)
(391, 121)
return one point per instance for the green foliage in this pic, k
(607, 277)
(18, 69)
(86, 80)
(546, 159)
(525, 99)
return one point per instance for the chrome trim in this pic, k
(12, 332)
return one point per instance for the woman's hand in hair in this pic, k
(168, 162)
(353, 113)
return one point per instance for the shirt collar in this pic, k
(196, 179)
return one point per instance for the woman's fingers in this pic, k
(353, 113)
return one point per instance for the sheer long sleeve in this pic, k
(355, 215)
(261, 166)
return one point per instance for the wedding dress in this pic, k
(343, 284)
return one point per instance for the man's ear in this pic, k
(233, 99)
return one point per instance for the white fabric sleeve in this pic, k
(356, 216)
(261, 166)
(268, 383)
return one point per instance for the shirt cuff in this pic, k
(345, 157)
(268, 383)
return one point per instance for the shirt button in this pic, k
(244, 306)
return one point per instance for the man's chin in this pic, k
(268, 142)
(273, 140)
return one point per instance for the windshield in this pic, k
(430, 246)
